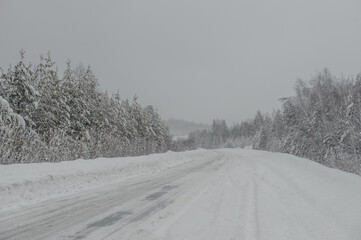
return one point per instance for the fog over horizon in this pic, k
(195, 60)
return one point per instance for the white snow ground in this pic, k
(203, 194)
(25, 184)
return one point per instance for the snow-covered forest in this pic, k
(321, 122)
(48, 118)
(180, 127)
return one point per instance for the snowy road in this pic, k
(234, 194)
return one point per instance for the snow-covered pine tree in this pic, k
(51, 117)
(20, 94)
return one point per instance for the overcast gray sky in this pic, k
(191, 59)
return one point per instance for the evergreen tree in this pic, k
(21, 95)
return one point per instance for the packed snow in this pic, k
(202, 194)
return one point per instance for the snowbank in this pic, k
(25, 184)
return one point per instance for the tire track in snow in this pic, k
(241, 173)
(248, 217)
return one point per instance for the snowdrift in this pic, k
(25, 184)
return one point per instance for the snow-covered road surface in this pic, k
(227, 194)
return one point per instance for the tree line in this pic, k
(321, 122)
(48, 118)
